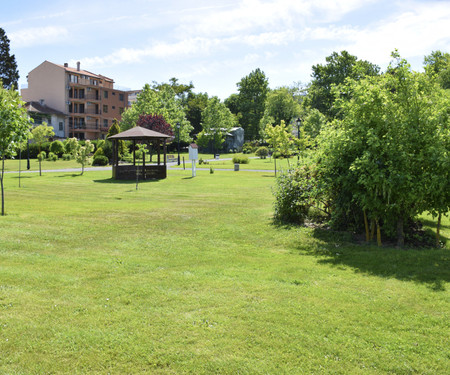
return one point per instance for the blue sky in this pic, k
(214, 43)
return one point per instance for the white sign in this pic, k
(193, 151)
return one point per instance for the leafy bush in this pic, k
(241, 160)
(67, 157)
(262, 152)
(52, 156)
(100, 160)
(247, 148)
(201, 161)
(42, 156)
(99, 152)
(57, 147)
(294, 192)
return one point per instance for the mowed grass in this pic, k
(189, 275)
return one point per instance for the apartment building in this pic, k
(89, 101)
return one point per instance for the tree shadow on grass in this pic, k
(124, 182)
(430, 266)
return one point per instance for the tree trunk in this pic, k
(372, 229)
(1, 181)
(378, 233)
(438, 230)
(366, 226)
(400, 233)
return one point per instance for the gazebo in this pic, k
(129, 171)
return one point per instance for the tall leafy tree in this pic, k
(158, 102)
(14, 128)
(217, 120)
(338, 67)
(253, 90)
(181, 90)
(196, 103)
(280, 106)
(9, 74)
(437, 64)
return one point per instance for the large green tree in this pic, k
(217, 120)
(14, 128)
(280, 106)
(161, 102)
(9, 75)
(253, 90)
(437, 64)
(384, 160)
(195, 104)
(338, 67)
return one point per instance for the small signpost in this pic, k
(193, 156)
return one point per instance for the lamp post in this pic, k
(299, 122)
(178, 130)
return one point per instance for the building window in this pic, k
(121, 97)
(105, 108)
(105, 94)
(73, 78)
(105, 123)
(61, 126)
(113, 107)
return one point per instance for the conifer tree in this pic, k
(9, 75)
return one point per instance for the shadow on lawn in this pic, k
(123, 182)
(428, 266)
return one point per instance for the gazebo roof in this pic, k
(139, 132)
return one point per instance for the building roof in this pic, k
(139, 132)
(83, 72)
(37, 107)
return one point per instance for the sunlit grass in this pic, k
(189, 275)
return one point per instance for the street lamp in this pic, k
(299, 122)
(178, 130)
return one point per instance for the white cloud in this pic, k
(38, 36)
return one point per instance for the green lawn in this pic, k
(189, 275)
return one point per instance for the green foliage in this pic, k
(71, 146)
(437, 65)
(57, 147)
(100, 160)
(158, 102)
(99, 152)
(385, 156)
(262, 152)
(293, 193)
(280, 106)
(338, 67)
(196, 103)
(52, 156)
(217, 120)
(241, 160)
(280, 138)
(14, 128)
(67, 157)
(42, 156)
(83, 154)
(253, 90)
(9, 74)
(312, 122)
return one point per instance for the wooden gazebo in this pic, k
(141, 135)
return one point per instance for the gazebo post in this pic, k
(159, 153)
(143, 162)
(165, 153)
(134, 152)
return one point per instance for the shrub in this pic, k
(262, 152)
(57, 147)
(52, 156)
(99, 152)
(294, 192)
(247, 148)
(241, 160)
(67, 157)
(201, 161)
(100, 160)
(42, 156)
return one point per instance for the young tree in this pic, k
(70, 146)
(9, 74)
(14, 128)
(161, 102)
(41, 134)
(83, 154)
(280, 138)
(217, 120)
(253, 90)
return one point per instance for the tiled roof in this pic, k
(37, 107)
(84, 72)
(139, 132)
